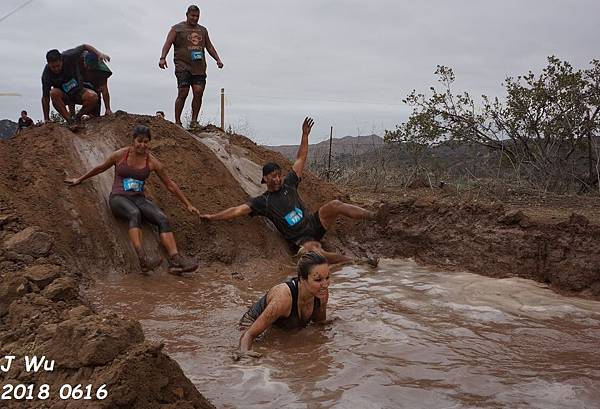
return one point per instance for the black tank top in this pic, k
(291, 321)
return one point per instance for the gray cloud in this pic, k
(288, 59)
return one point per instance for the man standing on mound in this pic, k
(62, 82)
(189, 40)
(282, 204)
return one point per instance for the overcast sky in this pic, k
(346, 63)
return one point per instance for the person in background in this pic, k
(96, 73)
(63, 84)
(189, 40)
(24, 121)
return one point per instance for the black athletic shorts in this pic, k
(314, 233)
(185, 79)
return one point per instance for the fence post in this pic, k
(222, 109)
(329, 164)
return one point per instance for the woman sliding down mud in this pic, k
(133, 164)
(289, 305)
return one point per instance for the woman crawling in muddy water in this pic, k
(133, 165)
(289, 305)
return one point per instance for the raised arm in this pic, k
(101, 55)
(303, 149)
(171, 186)
(162, 63)
(228, 214)
(280, 304)
(108, 163)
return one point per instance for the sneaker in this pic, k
(148, 263)
(194, 125)
(179, 264)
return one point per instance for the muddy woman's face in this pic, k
(141, 144)
(318, 280)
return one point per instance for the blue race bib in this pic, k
(294, 217)
(133, 185)
(197, 55)
(69, 85)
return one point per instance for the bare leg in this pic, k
(89, 99)
(58, 102)
(168, 241)
(135, 237)
(182, 94)
(103, 89)
(329, 212)
(332, 258)
(198, 91)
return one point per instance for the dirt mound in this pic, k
(488, 238)
(42, 315)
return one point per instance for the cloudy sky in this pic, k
(346, 63)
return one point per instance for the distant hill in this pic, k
(348, 145)
(7, 128)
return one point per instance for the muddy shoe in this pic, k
(179, 264)
(194, 126)
(148, 263)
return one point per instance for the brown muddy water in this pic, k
(401, 336)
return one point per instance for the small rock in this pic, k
(11, 288)
(579, 219)
(6, 218)
(514, 217)
(30, 241)
(61, 289)
(42, 275)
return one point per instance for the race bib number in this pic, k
(197, 55)
(133, 185)
(69, 85)
(294, 217)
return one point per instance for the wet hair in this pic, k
(53, 55)
(307, 261)
(23, 112)
(141, 130)
(191, 8)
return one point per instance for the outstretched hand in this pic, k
(103, 57)
(72, 181)
(307, 125)
(192, 209)
(207, 217)
(238, 355)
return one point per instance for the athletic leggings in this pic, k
(136, 208)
